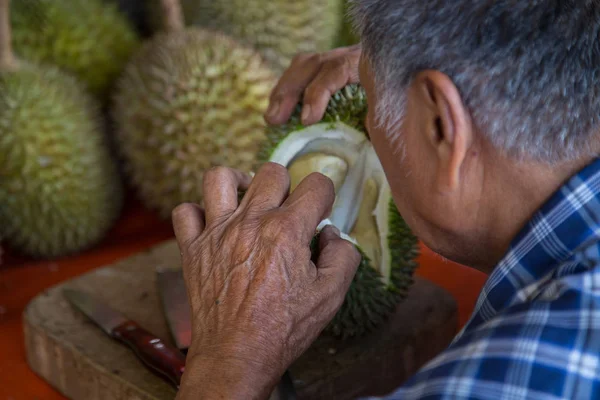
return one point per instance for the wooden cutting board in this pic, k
(80, 361)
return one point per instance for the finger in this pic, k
(221, 186)
(328, 234)
(333, 76)
(288, 90)
(188, 223)
(337, 264)
(270, 187)
(310, 203)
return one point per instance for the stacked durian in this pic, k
(60, 191)
(190, 99)
(87, 38)
(278, 29)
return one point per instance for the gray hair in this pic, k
(528, 71)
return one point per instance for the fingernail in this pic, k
(273, 109)
(305, 113)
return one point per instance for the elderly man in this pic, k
(485, 115)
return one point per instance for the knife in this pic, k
(171, 287)
(172, 292)
(158, 356)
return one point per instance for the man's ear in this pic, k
(448, 131)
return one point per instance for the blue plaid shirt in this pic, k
(535, 330)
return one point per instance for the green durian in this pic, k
(60, 190)
(279, 29)
(189, 100)
(87, 38)
(364, 211)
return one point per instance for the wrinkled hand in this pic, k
(315, 77)
(257, 299)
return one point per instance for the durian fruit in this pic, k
(59, 187)
(189, 100)
(279, 29)
(364, 210)
(87, 38)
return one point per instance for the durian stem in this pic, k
(174, 21)
(7, 57)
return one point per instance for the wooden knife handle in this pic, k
(166, 360)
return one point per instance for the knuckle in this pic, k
(275, 169)
(347, 62)
(276, 95)
(336, 64)
(274, 229)
(217, 173)
(314, 91)
(322, 181)
(181, 210)
(316, 58)
(280, 90)
(311, 92)
(301, 57)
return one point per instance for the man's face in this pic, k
(437, 210)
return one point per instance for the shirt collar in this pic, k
(568, 221)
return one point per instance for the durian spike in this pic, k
(174, 21)
(8, 60)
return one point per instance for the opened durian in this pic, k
(279, 29)
(60, 190)
(87, 38)
(364, 210)
(189, 100)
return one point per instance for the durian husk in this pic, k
(189, 101)
(60, 190)
(279, 29)
(87, 38)
(369, 301)
(347, 105)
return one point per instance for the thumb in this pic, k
(338, 260)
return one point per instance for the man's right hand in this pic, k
(315, 77)
(258, 298)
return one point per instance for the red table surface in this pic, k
(22, 279)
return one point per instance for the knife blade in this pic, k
(173, 295)
(171, 286)
(161, 358)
